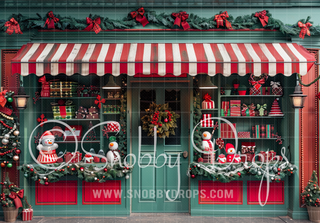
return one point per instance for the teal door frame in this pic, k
(147, 178)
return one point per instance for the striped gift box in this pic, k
(206, 121)
(63, 112)
(208, 104)
(235, 107)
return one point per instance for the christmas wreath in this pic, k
(162, 117)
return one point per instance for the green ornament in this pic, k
(9, 165)
(10, 99)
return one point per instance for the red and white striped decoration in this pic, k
(206, 121)
(207, 104)
(47, 157)
(162, 59)
(27, 214)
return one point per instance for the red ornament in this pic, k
(222, 17)
(181, 20)
(239, 174)
(3, 164)
(193, 176)
(314, 185)
(160, 124)
(279, 169)
(46, 183)
(13, 27)
(51, 20)
(73, 169)
(278, 173)
(81, 169)
(105, 169)
(200, 160)
(31, 170)
(304, 29)
(139, 15)
(165, 120)
(18, 151)
(94, 25)
(220, 143)
(99, 101)
(41, 119)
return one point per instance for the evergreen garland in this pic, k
(311, 194)
(196, 119)
(122, 137)
(162, 20)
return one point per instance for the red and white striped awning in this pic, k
(162, 58)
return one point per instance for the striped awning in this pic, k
(162, 58)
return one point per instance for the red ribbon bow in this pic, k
(139, 15)
(13, 26)
(99, 101)
(222, 17)
(3, 99)
(262, 17)
(51, 20)
(304, 29)
(257, 84)
(207, 97)
(93, 25)
(180, 20)
(16, 196)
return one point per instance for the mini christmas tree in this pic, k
(11, 196)
(92, 134)
(311, 193)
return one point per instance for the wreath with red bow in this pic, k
(161, 116)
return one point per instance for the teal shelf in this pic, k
(250, 96)
(251, 117)
(114, 113)
(92, 141)
(74, 119)
(112, 99)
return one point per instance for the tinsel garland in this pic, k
(161, 20)
(86, 172)
(226, 172)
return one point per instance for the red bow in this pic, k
(207, 97)
(262, 17)
(256, 84)
(16, 196)
(139, 15)
(304, 29)
(180, 20)
(13, 26)
(99, 101)
(93, 25)
(51, 20)
(3, 100)
(222, 17)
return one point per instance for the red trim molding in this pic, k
(220, 193)
(276, 192)
(108, 192)
(58, 193)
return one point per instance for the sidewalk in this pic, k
(166, 217)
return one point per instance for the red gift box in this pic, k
(225, 107)
(267, 155)
(77, 158)
(207, 103)
(206, 120)
(235, 107)
(77, 131)
(248, 149)
(266, 90)
(255, 91)
(243, 134)
(226, 130)
(27, 214)
(96, 159)
(113, 127)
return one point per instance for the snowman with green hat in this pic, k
(113, 156)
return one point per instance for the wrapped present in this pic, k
(276, 88)
(88, 158)
(77, 158)
(226, 130)
(113, 127)
(77, 129)
(225, 107)
(66, 111)
(63, 88)
(207, 103)
(252, 109)
(269, 131)
(248, 149)
(244, 110)
(93, 113)
(256, 83)
(96, 159)
(243, 134)
(268, 156)
(257, 131)
(27, 214)
(266, 90)
(206, 120)
(237, 158)
(81, 113)
(235, 107)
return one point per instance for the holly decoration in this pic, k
(156, 115)
(99, 101)
(311, 194)
(41, 119)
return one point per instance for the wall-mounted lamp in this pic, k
(21, 98)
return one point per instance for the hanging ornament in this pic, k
(16, 133)
(193, 176)
(15, 158)
(99, 101)
(165, 120)
(6, 136)
(41, 119)
(259, 173)
(18, 151)
(5, 141)
(2, 165)
(9, 165)
(10, 99)
(127, 176)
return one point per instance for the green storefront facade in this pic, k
(144, 190)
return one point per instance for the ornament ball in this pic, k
(127, 176)
(3, 164)
(165, 120)
(193, 176)
(5, 141)
(10, 99)
(16, 158)
(9, 165)
(16, 133)
(18, 151)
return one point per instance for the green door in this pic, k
(150, 184)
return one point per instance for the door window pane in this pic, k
(172, 97)
(146, 98)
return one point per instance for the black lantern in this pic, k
(297, 98)
(207, 84)
(111, 85)
(21, 99)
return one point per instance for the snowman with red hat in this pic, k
(208, 146)
(47, 149)
(231, 151)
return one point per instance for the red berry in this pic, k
(314, 185)
(279, 169)
(239, 174)
(73, 169)
(31, 170)
(81, 169)
(193, 176)
(278, 173)
(105, 169)
(46, 183)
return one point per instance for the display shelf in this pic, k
(91, 141)
(250, 96)
(251, 138)
(214, 109)
(112, 99)
(67, 98)
(252, 117)
(75, 119)
(114, 113)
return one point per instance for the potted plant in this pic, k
(311, 198)
(242, 90)
(236, 83)
(227, 90)
(10, 200)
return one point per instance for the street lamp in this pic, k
(297, 98)
(21, 99)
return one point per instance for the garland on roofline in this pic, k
(17, 23)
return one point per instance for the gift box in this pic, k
(93, 113)
(268, 156)
(226, 130)
(96, 159)
(208, 158)
(207, 103)
(269, 131)
(255, 91)
(225, 107)
(81, 113)
(113, 127)
(63, 89)
(88, 158)
(63, 112)
(245, 110)
(266, 90)
(256, 83)
(243, 134)
(235, 107)
(77, 158)
(257, 131)
(206, 121)
(276, 88)
(77, 131)
(248, 149)
(27, 214)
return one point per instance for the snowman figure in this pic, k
(47, 149)
(231, 151)
(207, 144)
(113, 156)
